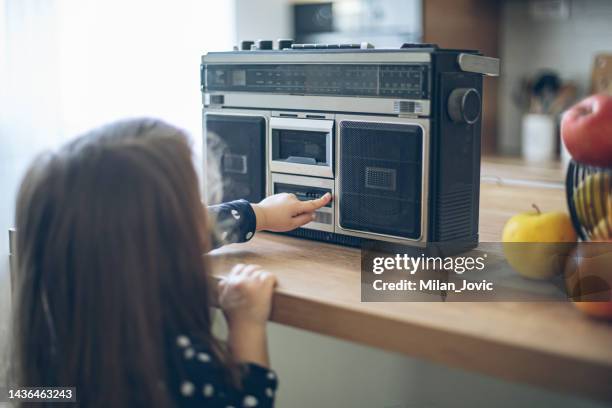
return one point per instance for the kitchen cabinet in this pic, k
(469, 24)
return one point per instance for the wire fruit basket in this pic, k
(589, 198)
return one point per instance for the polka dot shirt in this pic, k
(202, 382)
(233, 222)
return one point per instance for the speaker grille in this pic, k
(235, 146)
(325, 236)
(455, 211)
(380, 178)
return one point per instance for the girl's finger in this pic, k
(237, 269)
(268, 278)
(312, 205)
(250, 269)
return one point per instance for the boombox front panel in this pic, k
(236, 146)
(380, 178)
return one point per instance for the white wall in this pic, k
(567, 46)
(69, 65)
(263, 19)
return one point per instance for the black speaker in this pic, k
(380, 178)
(236, 144)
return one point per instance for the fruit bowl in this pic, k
(589, 198)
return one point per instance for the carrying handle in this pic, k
(479, 64)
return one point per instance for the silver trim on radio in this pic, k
(387, 106)
(306, 125)
(315, 57)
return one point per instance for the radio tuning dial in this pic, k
(464, 105)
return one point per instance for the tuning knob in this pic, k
(264, 44)
(464, 105)
(284, 43)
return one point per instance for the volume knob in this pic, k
(464, 105)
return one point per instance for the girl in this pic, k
(113, 293)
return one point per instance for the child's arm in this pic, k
(237, 221)
(284, 212)
(245, 296)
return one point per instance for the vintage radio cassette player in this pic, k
(392, 134)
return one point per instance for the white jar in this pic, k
(539, 137)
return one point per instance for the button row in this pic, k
(287, 44)
(363, 45)
(265, 45)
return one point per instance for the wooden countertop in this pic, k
(518, 171)
(545, 344)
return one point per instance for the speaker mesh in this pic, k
(380, 178)
(236, 146)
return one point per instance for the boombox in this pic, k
(392, 134)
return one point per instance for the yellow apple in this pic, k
(537, 244)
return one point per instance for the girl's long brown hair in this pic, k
(110, 240)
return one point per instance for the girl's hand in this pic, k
(245, 296)
(284, 212)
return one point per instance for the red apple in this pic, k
(586, 129)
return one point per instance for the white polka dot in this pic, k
(249, 401)
(269, 392)
(271, 375)
(183, 341)
(189, 353)
(187, 389)
(208, 390)
(236, 214)
(203, 357)
(249, 235)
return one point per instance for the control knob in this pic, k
(246, 45)
(284, 43)
(264, 44)
(464, 105)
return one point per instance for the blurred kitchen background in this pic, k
(570, 40)
(68, 65)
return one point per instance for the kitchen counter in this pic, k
(518, 171)
(547, 344)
